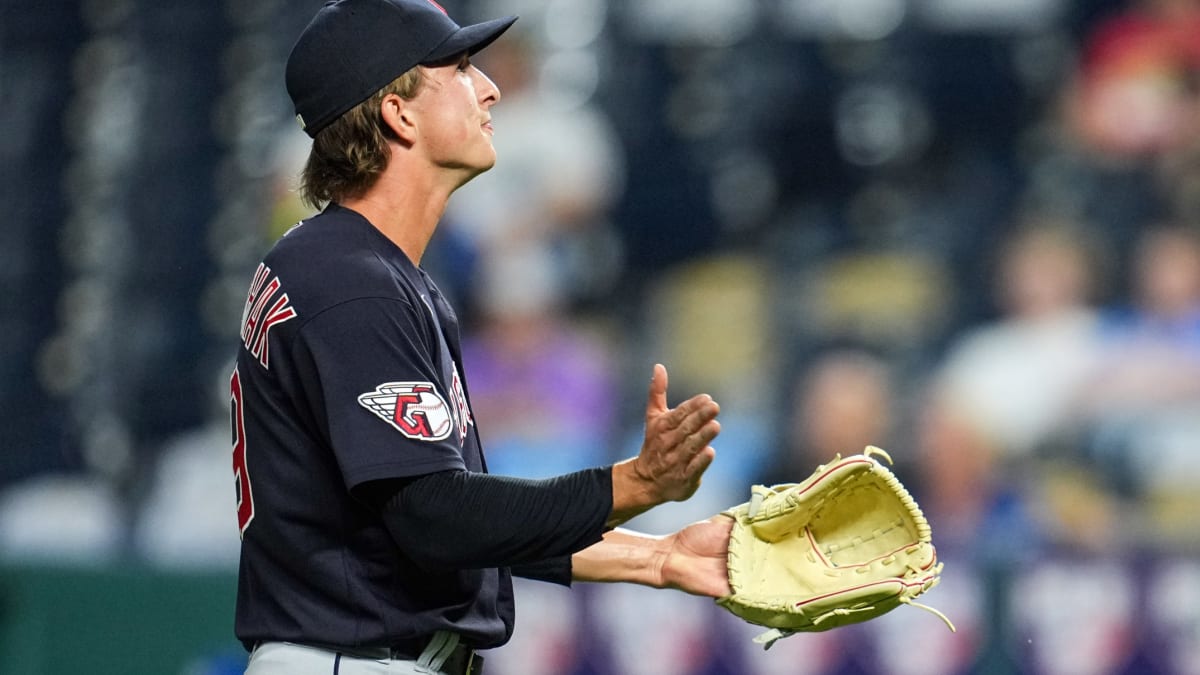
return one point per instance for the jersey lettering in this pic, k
(462, 410)
(241, 472)
(255, 328)
(256, 284)
(415, 409)
(280, 312)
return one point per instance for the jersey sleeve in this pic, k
(369, 367)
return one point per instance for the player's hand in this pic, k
(676, 451)
(696, 561)
(674, 455)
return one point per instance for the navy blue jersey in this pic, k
(348, 373)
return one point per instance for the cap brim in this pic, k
(470, 39)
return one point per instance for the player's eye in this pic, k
(464, 63)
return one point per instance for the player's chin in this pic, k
(470, 169)
(483, 165)
(485, 156)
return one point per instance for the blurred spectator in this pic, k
(1152, 348)
(842, 403)
(1004, 389)
(1014, 378)
(1138, 86)
(1141, 406)
(542, 389)
(1123, 146)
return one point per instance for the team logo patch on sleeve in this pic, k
(415, 409)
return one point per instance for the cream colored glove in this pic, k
(846, 545)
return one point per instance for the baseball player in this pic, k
(373, 538)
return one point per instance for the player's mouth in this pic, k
(487, 126)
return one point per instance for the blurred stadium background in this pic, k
(963, 230)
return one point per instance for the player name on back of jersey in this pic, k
(257, 319)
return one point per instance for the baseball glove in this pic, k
(846, 545)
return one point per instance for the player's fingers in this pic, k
(696, 441)
(701, 462)
(694, 472)
(690, 415)
(656, 402)
(703, 426)
(675, 453)
(691, 436)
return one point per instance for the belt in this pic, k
(462, 659)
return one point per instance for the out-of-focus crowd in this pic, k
(1013, 312)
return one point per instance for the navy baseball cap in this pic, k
(352, 48)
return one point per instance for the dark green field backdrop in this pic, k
(127, 621)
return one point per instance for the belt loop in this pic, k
(438, 650)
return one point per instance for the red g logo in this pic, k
(415, 409)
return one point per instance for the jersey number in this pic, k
(241, 475)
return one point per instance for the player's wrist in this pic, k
(665, 563)
(653, 554)
(633, 493)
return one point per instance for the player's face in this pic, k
(454, 105)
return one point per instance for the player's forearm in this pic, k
(625, 556)
(459, 519)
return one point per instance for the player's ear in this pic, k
(398, 117)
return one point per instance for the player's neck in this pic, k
(405, 209)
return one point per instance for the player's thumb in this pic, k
(657, 400)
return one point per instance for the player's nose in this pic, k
(487, 90)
